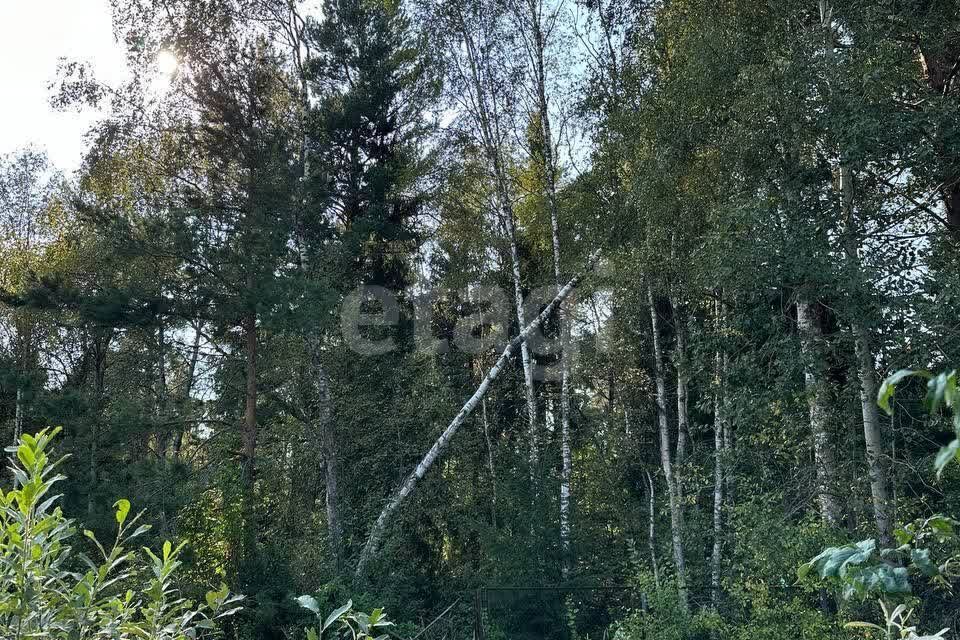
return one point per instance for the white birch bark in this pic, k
(818, 402)
(18, 416)
(873, 437)
(439, 446)
(652, 530)
(866, 372)
(490, 464)
(535, 35)
(481, 103)
(683, 409)
(676, 509)
(719, 477)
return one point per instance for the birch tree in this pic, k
(865, 364)
(479, 62)
(26, 194)
(377, 531)
(537, 23)
(666, 463)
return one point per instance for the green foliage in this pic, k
(345, 622)
(189, 278)
(53, 590)
(755, 611)
(896, 625)
(859, 569)
(941, 390)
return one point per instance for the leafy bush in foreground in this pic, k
(52, 590)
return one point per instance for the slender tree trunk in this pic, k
(378, 529)
(729, 455)
(550, 192)
(490, 465)
(24, 358)
(719, 477)
(939, 68)
(248, 477)
(319, 411)
(161, 390)
(566, 473)
(676, 508)
(729, 447)
(100, 346)
(187, 389)
(873, 438)
(872, 435)
(488, 126)
(332, 504)
(652, 530)
(18, 416)
(525, 357)
(866, 373)
(818, 402)
(323, 425)
(683, 409)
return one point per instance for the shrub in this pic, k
(52, 590)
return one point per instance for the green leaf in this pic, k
(941, 388)
(941, 524)
(946, 454)
(26, 456)
(333, 617)
(890, 385)
(903, 535)
(123, 509)
(921, 560)
(309, 602)
(837, 561)
(882, 578)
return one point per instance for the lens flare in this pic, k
(167, 62)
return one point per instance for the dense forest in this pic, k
(543, 318)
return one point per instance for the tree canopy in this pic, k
(590, 302)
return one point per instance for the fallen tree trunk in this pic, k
(380, 526)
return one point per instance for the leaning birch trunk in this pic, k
(676, 509)
(818, 402)
(873, 436)
(407, 487)
(866, 372)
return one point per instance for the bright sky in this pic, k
(34, 34)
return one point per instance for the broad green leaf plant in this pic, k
(862, 569)
(896, 625)
(53, 590)
(344, 623)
